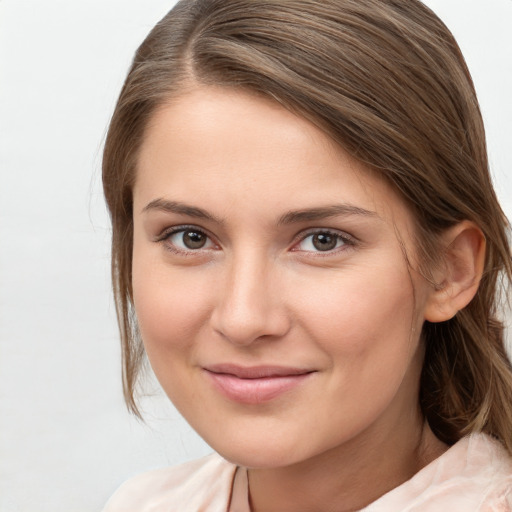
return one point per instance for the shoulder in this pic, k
(205, 481)
(496, 475)
(474, 475)
(488, 471)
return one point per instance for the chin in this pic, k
(256, 458)
(260, 452)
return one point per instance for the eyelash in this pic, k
(347, 240)
(168, 233)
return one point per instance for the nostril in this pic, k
(246, 326)
(248, 306)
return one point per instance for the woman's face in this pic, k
(270, 282)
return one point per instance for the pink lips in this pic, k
(256, 384)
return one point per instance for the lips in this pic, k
(256, 384)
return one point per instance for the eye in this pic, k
(322, 241)
(188, 239)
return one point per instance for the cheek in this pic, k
(170, 305)
(360, 314)
(364, 324)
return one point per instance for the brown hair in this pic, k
(387, 81)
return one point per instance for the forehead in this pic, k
(227, 148)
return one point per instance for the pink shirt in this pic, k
(474, 475)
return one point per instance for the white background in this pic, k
(66, 441)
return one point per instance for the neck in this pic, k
(350, 476)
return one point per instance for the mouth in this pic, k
(256, 384)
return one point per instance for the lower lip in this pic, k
(255, 391)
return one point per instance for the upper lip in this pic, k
(256, 372)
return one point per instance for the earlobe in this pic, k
(460, 273)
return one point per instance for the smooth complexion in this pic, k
(275, 302)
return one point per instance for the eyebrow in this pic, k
(312, 214)
(181, 209)
(290, 217)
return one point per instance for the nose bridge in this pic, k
(250, 305)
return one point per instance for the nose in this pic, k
(250, 305)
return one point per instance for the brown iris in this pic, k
(324, 241)
(194, 239)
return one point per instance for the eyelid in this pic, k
(169, 231)
(348, 240)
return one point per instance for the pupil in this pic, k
(324, 241)
(194, 239)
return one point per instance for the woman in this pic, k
(308, 248)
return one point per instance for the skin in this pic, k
(260, 293)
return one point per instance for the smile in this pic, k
(254, 385)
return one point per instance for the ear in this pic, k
(460, 272)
